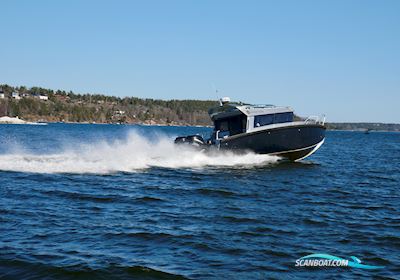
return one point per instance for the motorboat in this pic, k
(261, 129)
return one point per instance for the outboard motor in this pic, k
(192, 140)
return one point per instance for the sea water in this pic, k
(122, 201)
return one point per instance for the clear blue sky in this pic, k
(341, 58)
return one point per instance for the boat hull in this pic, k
(290, 142)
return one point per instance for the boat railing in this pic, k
(217, 139)
(218, 133)
(316, 120)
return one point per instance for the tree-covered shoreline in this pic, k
(62, 106)
(47, 105)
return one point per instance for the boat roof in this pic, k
(234, 109)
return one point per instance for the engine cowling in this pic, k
(193, 140)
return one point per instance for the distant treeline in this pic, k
(364, 126)
(30, 104)
(40, 104)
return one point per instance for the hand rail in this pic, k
(316, 119)
(217, 135)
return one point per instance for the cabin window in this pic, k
(233, 125)
(223, 126)
(283, 117)
(262, 120)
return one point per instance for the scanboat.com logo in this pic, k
(329, 260)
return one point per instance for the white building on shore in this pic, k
(2, 94)
(15, 95)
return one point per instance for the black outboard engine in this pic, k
(192, 140)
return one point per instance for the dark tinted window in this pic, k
(234, 125)
(283, 117)
(223, 126)
(263, 120)
(272, 118)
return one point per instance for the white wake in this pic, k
(131, 154)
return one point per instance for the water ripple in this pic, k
(128, 215)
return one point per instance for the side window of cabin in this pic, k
(272, 118)
(235, 125)
(231, 126)
(223, 126)
(263, 120)
(283, 117)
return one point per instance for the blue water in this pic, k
(115, 201)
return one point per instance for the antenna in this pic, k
(216, 93)
(215, 90)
